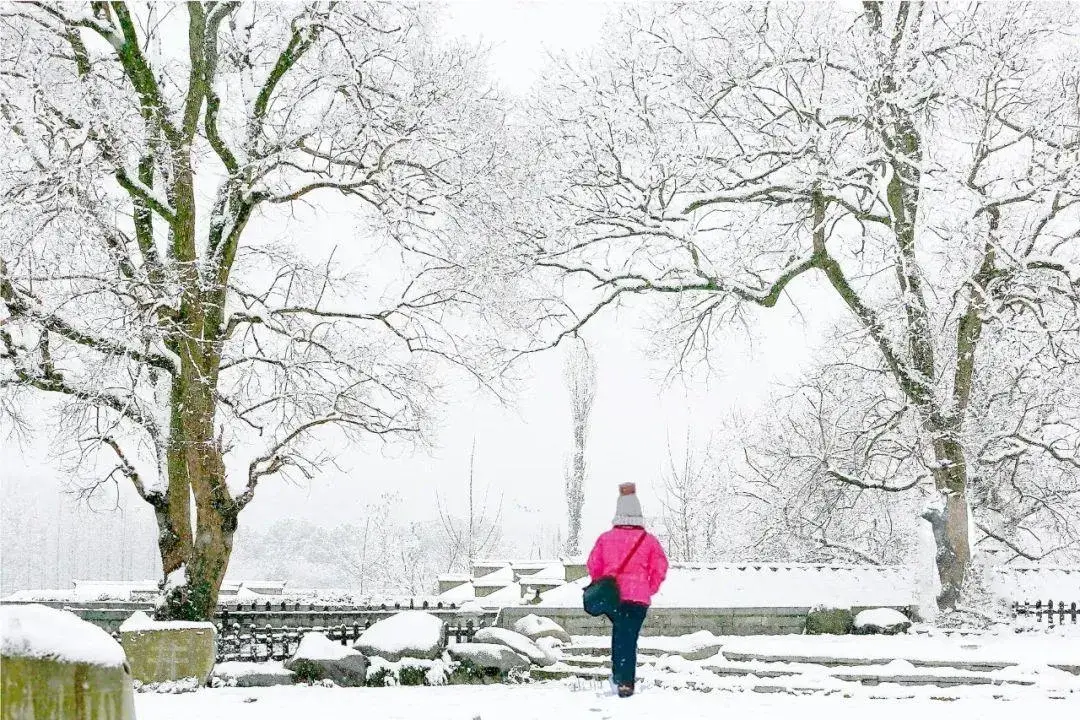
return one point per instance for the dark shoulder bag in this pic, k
(601, 597)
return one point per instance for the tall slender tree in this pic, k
(579, 371)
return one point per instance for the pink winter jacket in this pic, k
(642, 576)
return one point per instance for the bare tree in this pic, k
(579, 371)
(920, 160)
(151, 157)
(694, 504)
(479, 532)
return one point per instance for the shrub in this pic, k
(307, 671)
(412, 675)
(829, 621)
(383, 677)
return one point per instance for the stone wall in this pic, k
(676, 621)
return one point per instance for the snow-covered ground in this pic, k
(582, 700)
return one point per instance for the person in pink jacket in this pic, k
(638, 580)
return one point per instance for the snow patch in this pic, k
(141, 622)
(36, 631)
(881, 618)
(316, 646)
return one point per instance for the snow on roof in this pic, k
(1028, 584)
(460, 594)
(36, 631)
(454, 577)
(761, 585)
(505, 573)
(509, 595)
(552, 572)
(89, 591)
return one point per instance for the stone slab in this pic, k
(161, 655)
(42, 689)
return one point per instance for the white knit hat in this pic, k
(627, 507)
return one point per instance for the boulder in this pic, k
(56, 666)
(881, 621)
(535, 627)
(552, 647)
(516, 642)
(488, 656)
(250, 674)
(162, 651)
(412, 633)
(320, 658)
(829, 621)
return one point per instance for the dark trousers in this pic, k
(626, 623)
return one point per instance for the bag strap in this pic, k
(633, 550)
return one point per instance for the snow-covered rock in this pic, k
(489, 656)
(408, 634)
(552, 647)
(250, 674)
(535, 627)
(881, 621)
(697, 646)
(167, 651)
(516, 642)
(320, 658)
(56, 666)
(36, 631)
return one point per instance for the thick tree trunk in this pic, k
(196, 468)
(951, 526)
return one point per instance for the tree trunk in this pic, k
(951, 527)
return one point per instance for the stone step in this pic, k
(928, 680)
(561, 672)
(600, 651)
(833, 661)
(743, 670)
(605, 661)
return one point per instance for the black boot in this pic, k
(626, 690)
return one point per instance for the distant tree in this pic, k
(479, 532)
(694, 505)
(579, 371)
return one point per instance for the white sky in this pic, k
(521, 450)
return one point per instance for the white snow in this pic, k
(141, 622)
(472, 607)
(513, 640)
(1028, 584)
(766, 585)
(880, 617)
(1010, 648)
(505, 597)
(316, 646)
(36, 631)
(460, 594)
(403, 632)
(584, 699)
